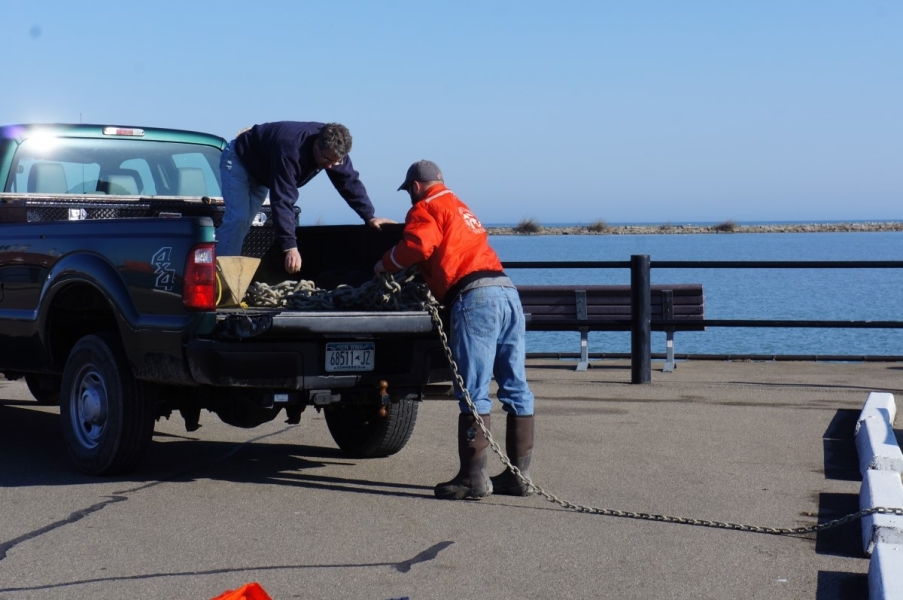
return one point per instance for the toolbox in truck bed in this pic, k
(17, 208)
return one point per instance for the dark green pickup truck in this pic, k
(108, 302)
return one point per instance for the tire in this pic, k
(44, 388)
(107, 415)
(361, 432)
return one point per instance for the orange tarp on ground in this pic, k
(249, 591)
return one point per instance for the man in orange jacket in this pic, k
(451, 248)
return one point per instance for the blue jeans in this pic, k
(487, 338)
(243, 196)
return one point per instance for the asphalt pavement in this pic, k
(766, 444)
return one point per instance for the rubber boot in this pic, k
(472, 480)
(519, 447)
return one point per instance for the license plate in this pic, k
(350, 356)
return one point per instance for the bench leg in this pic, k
(669, 363)
(584, 351)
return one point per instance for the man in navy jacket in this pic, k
(278, 158)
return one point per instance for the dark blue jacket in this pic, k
(281, 156)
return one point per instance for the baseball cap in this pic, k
(422, 170)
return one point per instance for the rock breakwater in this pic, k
(723, 228)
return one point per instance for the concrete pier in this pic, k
(758, 443)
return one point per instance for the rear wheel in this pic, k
(360, 430)
(44, 388)
(107, 415)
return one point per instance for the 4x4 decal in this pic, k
(166, 275)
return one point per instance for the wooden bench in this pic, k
(586, 308)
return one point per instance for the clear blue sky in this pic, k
(648, 111)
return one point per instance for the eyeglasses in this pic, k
(328, 159)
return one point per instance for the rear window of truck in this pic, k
(114, 166)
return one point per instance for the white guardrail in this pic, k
(881, 466)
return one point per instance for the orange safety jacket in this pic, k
(445, 239)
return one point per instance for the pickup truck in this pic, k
(108, 307)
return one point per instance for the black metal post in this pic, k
(640, 320)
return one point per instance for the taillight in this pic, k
(199, 291)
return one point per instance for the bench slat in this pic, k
(610, 290)
(594, 312)
(527, 300)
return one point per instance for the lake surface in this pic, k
(818, 294)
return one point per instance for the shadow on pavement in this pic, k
(841, 462)
(834, 585)
(570, 365)
(32, 453)
(31, 447)
(846, 539)
(840, 453)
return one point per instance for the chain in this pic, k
(388, 292)
(437, 320)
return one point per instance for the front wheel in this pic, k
(361, 431)
(107, 415)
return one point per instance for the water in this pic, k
(817, 294)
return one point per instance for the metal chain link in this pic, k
(398, 291)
